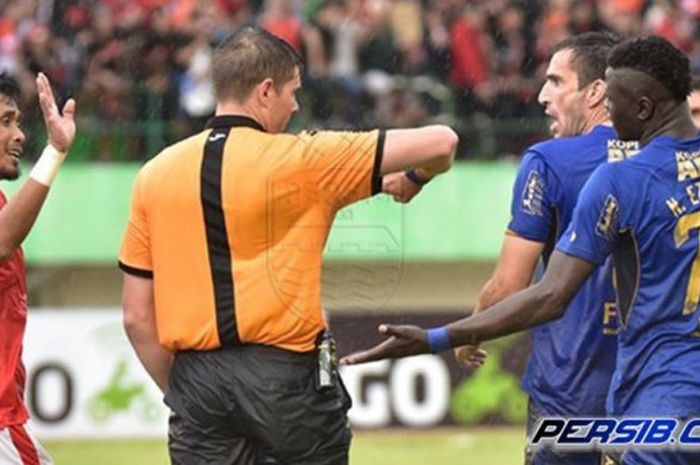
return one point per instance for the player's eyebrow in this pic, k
(12, 111)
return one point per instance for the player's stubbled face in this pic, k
(561, 97)
(621, 103)
(11, 139)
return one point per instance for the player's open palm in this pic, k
(404, 340)
(60, 126)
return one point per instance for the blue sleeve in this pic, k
(595, 222)
(535, 192)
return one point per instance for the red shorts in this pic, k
(18, 447)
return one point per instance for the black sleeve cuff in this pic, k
(136, 271)
(378, 155)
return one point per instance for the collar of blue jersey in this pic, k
(228, 121)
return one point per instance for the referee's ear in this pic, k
(263, 91)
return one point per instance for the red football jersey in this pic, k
(13, 319)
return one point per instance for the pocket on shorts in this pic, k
(195, 397)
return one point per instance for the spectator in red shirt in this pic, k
(280, 20)
(469, 71)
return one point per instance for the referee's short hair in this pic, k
(247, 58)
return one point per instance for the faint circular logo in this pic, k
(312, 215)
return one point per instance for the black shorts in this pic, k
(254, 405)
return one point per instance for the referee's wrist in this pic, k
(438, 339)
(416, 178)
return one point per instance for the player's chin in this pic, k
(10, 173)
(555, 129)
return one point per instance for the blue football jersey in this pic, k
(645, 212)
(572, 359)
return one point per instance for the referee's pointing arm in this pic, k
(412, 157)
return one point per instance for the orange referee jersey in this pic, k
(231, 224)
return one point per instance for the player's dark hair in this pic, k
(658, 58)
(590, 54)
(248, 57)
(8, 87)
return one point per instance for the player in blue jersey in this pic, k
(645, 212)
(571, 360)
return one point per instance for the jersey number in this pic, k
(685, 224)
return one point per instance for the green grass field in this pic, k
(485, 446)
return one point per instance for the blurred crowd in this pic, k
(140, 68)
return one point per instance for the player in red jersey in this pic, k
(17, 216)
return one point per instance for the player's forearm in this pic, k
(543, 302)
(19, 215)
(531, 307)
(495, 290)
(491, 294)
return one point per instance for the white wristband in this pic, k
(46, 167)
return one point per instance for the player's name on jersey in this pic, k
(612, 433)
(688, 165)
(620, 149)
(677, 205)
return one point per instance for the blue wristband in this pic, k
(438, 340)
(414, 178)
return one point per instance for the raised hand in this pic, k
(470, 357)
(404, 340)
(59, 126)
(400, 187)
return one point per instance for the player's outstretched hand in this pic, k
(60, 126)
(470, 357)
(400, 187)
(404, 340)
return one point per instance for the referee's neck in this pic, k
(236, 109)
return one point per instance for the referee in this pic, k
(222, 263)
